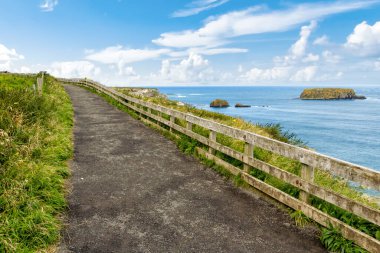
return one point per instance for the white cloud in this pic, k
(208, 51)
(365, 39)
(120, 56)
(5, 66)
(311, 58)
(76, 69)
(48, 5)
(330, 57)
(377, 65)
(329, 76)
(305, 75)
(130, 74)
(321, 41)
(292, 68)
(198, 6)
(7, 56)
(193, 69)
(23, 69)
(298, 49)
(269, 74)
(218, 30)
(188, 39)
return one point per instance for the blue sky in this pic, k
(201, 42)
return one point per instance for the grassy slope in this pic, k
(35, 145)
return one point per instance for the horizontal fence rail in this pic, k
(310, 160)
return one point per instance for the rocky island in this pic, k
(329, 94)
(239, 105)
(219, 103)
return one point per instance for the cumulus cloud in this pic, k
(48, 5)
(305, 74)
(267, 74)
(329, 76)
(198, 6)
(208, 51)
(117, 54)
(130, 74)
(311, 58)
(289, 67)
(377, 65)
(298, 49)
(365, 39)
(193, 69)
(218, 30)
(7, 56)
(70, 69)
(120, 56)
(330, 57)
(321, 41)
(23, 69)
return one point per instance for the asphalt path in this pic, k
(134, 191)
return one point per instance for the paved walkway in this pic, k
(134, 191)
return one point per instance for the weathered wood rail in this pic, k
(310, 160)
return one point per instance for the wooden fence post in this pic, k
(172, 121)
(40, 82)
(248, 151)
(212, 137)
(189, 126)
(307, 173)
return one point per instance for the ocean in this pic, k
(345, 129)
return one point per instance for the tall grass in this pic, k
(35, 145)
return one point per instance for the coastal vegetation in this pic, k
(220, 103)
(329, 94)
(330, 237)
(35, 146)
(144, 92)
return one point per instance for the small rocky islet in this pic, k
(239, 105)
(219, 103)
(329, 94)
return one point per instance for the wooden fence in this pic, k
(310, 161)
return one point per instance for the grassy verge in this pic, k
(331, 238)
(35, 145)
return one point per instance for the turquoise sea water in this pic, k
(345, 129)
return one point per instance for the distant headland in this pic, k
(329, 94)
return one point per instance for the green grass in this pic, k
(10, 81)
(35, 145)
(274, 131)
